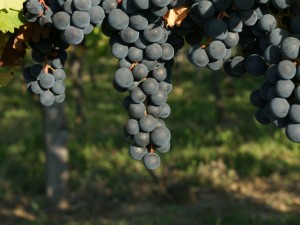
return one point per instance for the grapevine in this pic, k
(145, 35)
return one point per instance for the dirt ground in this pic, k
(269, 197)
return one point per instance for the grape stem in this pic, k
(221, 15)
(51, 68)
(46, 66)
(209, 40)
(152, 150)
(133, 65)
(146, 104)
(42, 2)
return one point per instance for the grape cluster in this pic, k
(264, 34)
(77, 18)
(68, 22)
(47, 81)
(38, 11)
(219, 34)
(278, 98)
(138, 39)
(270, 48)
(48, 86)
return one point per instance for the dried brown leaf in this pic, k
(29, 32)
(174, 17)
(11, 56)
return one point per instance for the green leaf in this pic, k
(9, 20)
(11, 4)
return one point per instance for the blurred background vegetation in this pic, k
(223, 167)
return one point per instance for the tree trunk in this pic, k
(57, 155)
(216, 90)
(78, 92)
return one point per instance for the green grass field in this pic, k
(233, 172)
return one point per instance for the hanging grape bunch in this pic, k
(144, 36)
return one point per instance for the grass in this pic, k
(220, 173)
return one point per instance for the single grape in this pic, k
(147, 123)
(80, 19)
(160, 136)
(59, 98)
(293, 132)
(142, 139)
(131, 127)
(118, 19)
(61, 20)
(47, 98)
(137, 111)
(73, 35)
(137, 152)
(151, 161)
(47, 80)
(58, 87)
(123, 77)
(150, 86)
(82, 5)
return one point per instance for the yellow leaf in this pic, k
(174, 17)
(11, 4)
(5, 78)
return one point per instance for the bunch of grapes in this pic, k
(264, 33)
(47, 84)
(38, 11)
(46, 78)
(77, 18)
(138, 39)
(267, 36)
(68, 22)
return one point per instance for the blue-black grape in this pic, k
(137, 95)
(150, 86)
(61, 20)
(118, 19)
(140, 71)
(141, 139)
(159, 98)
(153, 51)
(80, 19)
(82, 5)
(124, 77)
(58, 87)
(151, 161)
(147, 123)
(138, 22)
(135, 54)
(96, 14)
(129, 35)
(137, 152)
(131, 127)
(137, 111)
(47, 98)
(293, 132)
(73, 35)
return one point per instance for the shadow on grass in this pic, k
(208, 207)
(106, 187)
